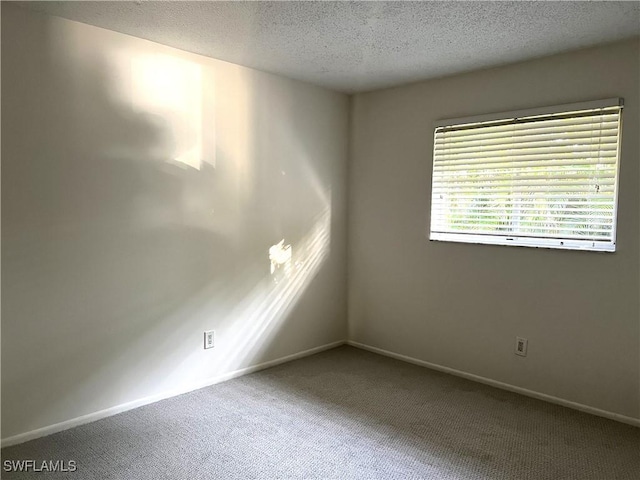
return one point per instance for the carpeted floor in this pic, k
(344, 414)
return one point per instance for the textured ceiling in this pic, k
(357, 46)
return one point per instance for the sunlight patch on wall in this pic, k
(256, 320)
(263, 311)
(172, 90)
(280, 257)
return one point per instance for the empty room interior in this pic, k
(320, 240)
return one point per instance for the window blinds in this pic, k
(544, 181)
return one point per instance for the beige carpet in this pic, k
(344, 414)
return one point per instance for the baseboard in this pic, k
(504, 386)
(108, 412)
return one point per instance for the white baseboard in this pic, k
(92, 417)
(504, 386)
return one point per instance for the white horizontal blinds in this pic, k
(550, 176)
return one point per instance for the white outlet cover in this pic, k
(209, 339)
(521, 346)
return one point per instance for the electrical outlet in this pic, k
(209, 337)
(521, 346)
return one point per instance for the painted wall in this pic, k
(142, 189)
(461, 306)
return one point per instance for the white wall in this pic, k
(142, 188)
(461, 306)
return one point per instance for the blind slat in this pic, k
(560, 132)
(577, 133)
(541, 195)
(524, 126)
(516, 151)
(577, 163)
(532, 157)
(568, 232)
(522, 213)
(533, 143)
(506, 177)
(508, 218)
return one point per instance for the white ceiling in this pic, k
(358, 46)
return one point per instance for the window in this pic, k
(540, 178)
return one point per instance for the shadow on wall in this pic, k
(141, 194)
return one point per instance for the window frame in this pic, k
(532, 241)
